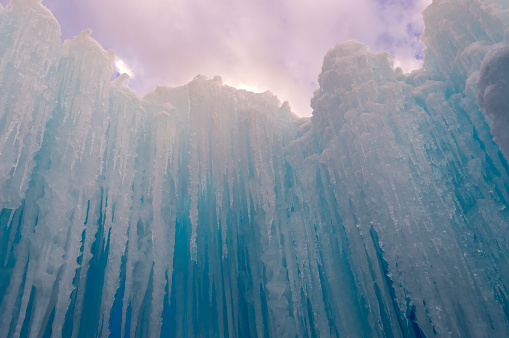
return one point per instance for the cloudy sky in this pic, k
(253, 44)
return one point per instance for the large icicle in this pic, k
(28, 60)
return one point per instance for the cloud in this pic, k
(277, 45)
(122, 67)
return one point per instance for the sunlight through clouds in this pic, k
(268, 45)
(122, 67)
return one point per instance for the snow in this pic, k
(203, 210)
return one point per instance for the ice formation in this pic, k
(203, 210)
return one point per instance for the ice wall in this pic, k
(203, 210)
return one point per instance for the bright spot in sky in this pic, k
(257, 45)
(122, 67)
(408, 64)
(245, 86)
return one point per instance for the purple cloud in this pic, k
(276, 45)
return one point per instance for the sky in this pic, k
(258, 45)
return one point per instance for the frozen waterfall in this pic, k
(203, 210)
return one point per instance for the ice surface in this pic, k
(203, 210)
(493, 88)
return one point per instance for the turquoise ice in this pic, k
(203, 210)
